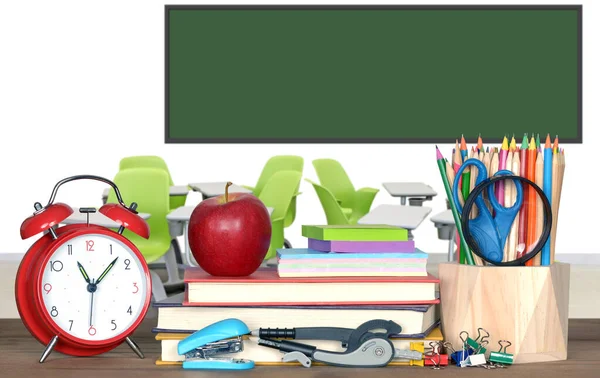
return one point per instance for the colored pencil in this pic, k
(555, 178)
(473, 173)
(449, 173)
(531, 199)
(486, 161)
(547, 186)
(494, 164)
(513, 144)
(539, 207)
(523, 213)
(457, 162)
(514, 229)
(455, 215)
(502, 166)
(537, 143)
(479, 143)
(508, 200)
(558, 170)
(466, 177)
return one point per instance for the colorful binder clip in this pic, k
(457, 356)
(477, 358)
(434, 358)
(479, 341)
(501, 358)
(203, 349)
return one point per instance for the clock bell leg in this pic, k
(134, 347)
(48, 349)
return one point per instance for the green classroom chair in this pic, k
(333, 177)
(151, 161)
(334, 212)
(149, 188)
(276, 164)
(278, 193)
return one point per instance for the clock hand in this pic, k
(108, 268)
(92, 303)
(83, 272)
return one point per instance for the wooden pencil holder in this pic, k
(528, 306)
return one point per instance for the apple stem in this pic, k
(229, 183)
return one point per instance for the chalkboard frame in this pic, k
(578, 139)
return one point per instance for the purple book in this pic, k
(361, 246)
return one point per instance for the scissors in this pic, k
(490, 232)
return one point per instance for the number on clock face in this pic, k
(93, 311)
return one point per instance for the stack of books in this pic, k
(266, 299)
(359, 251)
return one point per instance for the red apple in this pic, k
(229, 235)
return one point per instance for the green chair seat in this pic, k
(151, 161)
(278, 194)
(272, 166)
(335, 214)
(149, 188)
(333, 177)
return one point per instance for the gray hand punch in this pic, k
(367, 346)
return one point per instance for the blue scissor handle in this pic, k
(490, 233)
(505, 216)
(481, 175)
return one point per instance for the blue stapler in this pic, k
(204, 349)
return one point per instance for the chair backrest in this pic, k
(333, 210)
(276, 164)
(279, 190)
(333, 176)
(145, 161)
(149, 188)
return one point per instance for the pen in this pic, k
(305, 333)
(286, 346)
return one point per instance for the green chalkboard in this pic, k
(371, 74)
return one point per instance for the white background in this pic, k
(82, 85)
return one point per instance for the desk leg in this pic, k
(403, 201)
(451, 245)
(188, 252)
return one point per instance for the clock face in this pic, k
(94, 287)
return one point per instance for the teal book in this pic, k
(355, 233)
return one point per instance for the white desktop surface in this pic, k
(213, 189)
(408, 217)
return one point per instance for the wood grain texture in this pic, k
(20, 352)
(527, 306)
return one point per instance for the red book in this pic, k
(266, 288)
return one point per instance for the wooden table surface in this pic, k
(19, 355)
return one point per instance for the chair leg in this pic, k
(287, 244)
(158, 290)
(177, 249)
(172, 267)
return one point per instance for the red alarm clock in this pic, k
(82, 289)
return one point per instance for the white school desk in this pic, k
(213, 189)
(178, 224)
(416, 191)
(175, 190)
(444, 222)
(408, 217)
(96, 218)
